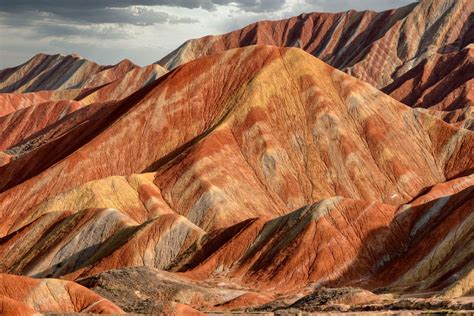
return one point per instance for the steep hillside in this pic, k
(25, 296)
(441, 82)
(48, 78)
(290, 139)
(258, 173)
(59, 72)
(385, 49)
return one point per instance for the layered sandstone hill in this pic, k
(57, 78)
(441, 82)
(251, 175)
(25, 296)
(417, 53)
(309, 133)
(58, 72)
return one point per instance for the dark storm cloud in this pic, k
(71, 18)
(34, 28)
(134, 16)
(107, 32)
(59, 6)
(66, 8)
(86, 14)
(343, 5)
(254, 5)
(128, 15)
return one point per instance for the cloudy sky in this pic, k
(107, 31)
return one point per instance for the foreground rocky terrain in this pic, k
(248, 179)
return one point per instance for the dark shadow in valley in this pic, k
(389, 252)
(90, 255)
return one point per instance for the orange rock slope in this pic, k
(254, 175)
(46, 78)
(419, 54)
(24, 296)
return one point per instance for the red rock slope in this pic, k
(386, 48)
(308, 134)
(59, 72)
(25, 296)
(341, 242)
(442, 82)
(259, 169)
(62, 78)
(81, 83)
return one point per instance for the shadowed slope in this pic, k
(344, 242)
(463, 118)
(56, 243)
(23, 123)
(94, 240)
(441, 82)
